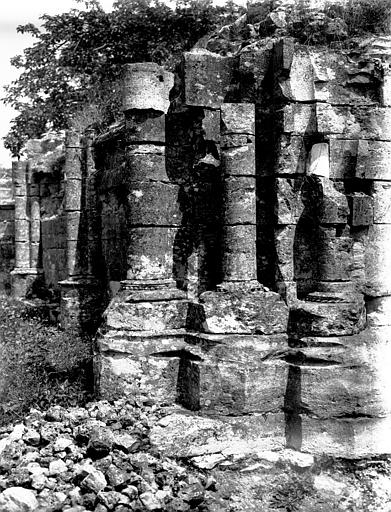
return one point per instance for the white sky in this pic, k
(20, 12)
(12, 14)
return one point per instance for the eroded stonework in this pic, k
(238, 224)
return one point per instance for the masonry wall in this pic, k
(235, 230)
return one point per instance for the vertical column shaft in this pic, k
(239, 209)
(22, 228)
(73, 201)
(152, 198)
(35, 221)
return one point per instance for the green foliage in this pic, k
(78, 57)
(338, 21)
(40, 364)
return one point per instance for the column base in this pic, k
(241, 308)
(141, 342)
(80, 304)
(22, 281)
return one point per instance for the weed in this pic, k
(40, 364)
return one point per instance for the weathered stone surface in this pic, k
(254, 61)
(299, 119)
(145, 199)
(211, 125)
(328, 319)
(239, 200)
(351, 122)
(382, 202)
(334, 207)
(351, 373)
(319, 163)
(130, 375)
(18, 499)
(238, 118)
(146, 86)
(146, 316)
(290, 155)
(335, 259)
(239, 252)
(254, 311)
(142, 127)
(373, 159)
(349, 438)
(73, 194)
(239, 160)
(299, 85)
(207, 78)
(150, 254)
(340, 80)
(289, 205)
(343, 158)
(361, 209)
(226, 378)
(378, 261)
(284, 240)
(223, 435)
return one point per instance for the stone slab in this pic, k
(145, 316)
(207, 78)
(182, 434)
(238, 118)
(328, 319)
(146, 86)
(254, 311)
(351, 122)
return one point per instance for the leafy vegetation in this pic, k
(72, 71)
(338, 21)
(40, 364)
(71, 75)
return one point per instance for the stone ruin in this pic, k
(231, 239)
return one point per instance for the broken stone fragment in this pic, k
(299, 84)
(144, 127)
(207, 78)
(94, 482)
(373, 160)
(351, 122)
(319, 162)
(17, 499)
(100, 442)
(238, 118)
(254, 311)
(328, 319)
(290, 156)
(298, 119)
(362, 209)
(146, 86)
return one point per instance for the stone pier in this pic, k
(145, 320)
(27, 230)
